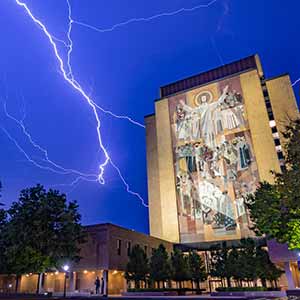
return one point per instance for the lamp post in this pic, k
(66, 269)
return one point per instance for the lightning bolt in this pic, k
(38, 165)
(67, 75)
(55, 166)
(70, 46)
(295, 82)
(118, 116)
(213, 41)
(66, 71)
(70, 49)
(147, 19)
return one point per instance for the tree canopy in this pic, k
(42, 231)
(137, 267)
(196, 268)
(3, 224)
(160, 268)
(247, 262)
(275, 208)
(1, 204)
(221, 265)
(180, 267)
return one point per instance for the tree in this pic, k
(274, 208)
(3, 240)
(266, 270)
(197, 269)
(293, 232)
(137, 268)
(236, 265)
(160, 269)
(1, 204)
(43, 231)
(221, 265)
(246, 261)
(180, 267)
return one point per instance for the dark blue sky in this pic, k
(122, 70)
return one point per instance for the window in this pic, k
(119, 245)
(271, 116)
(278, 148)
(265, 92)
(128, 248)
(277, 142)
(268, 104)
(274, 129)
(280, 155)
(275, 134)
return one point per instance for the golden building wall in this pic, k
(283, 102)
(170, 218)
(155, 215)
(261, 133)
(170, 168)
(169, 212)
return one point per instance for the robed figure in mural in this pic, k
(204, 116)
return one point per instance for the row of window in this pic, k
(128, 247)
(273, 124)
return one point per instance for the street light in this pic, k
(66, 269)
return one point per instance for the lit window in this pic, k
(278, 148)
(272, 123)
(276, 135)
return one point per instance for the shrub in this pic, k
(241, 289)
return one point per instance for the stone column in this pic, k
(105, 278)
(289, 275)
(40, 280)
(72, 281)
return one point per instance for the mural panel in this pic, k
(214, 161)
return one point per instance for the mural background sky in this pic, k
(122, 70)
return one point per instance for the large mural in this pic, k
(214, 161)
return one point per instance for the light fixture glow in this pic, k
(66, 268)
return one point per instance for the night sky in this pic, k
(122, 71)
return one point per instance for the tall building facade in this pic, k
(212, 138)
